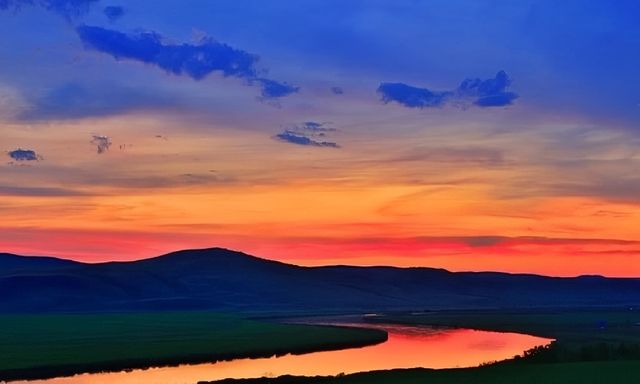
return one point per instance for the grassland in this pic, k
(41, 346)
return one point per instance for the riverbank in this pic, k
(607, 372)
(45, 346)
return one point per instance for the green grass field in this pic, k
(36, 346)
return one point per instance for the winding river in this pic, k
(407, 347)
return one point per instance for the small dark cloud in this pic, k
(196, 61)
(274, 89)
(308, 133)
(301, 139)
(472, 91)
(412, 97)
(24, 155)
(69, 9)
(337, 90)
(113, 12)
(489, 92)
(101, 142)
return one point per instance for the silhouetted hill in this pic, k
(220, 279)
(10, 262)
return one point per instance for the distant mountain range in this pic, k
(225, 280)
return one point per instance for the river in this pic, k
(406, 347)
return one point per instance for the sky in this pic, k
(464, 134)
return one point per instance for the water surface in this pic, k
(407, 347)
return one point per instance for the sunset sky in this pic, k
(467, 135)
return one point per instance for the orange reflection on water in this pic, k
(407, 347)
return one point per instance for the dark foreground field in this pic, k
(41, 346)
(592, 347)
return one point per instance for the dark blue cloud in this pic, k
(73, 100)
(194, 60)
(67, 8)
(490, 92)
(275, 89)
(482, 93)
(113, 12)
(309, 133)
(485, 87)
(24, 155)
(301, 139)
(498, 100)
(412, 97)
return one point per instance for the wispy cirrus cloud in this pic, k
(24, 191)
(453, 155)
(196, 61)
(473, 91)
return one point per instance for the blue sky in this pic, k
(567, 57)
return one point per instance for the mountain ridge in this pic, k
(227, 280)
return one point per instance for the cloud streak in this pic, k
(473, 91)
(38, 191)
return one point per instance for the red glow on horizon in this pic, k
(553, 257)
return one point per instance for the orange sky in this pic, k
(355, 205)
